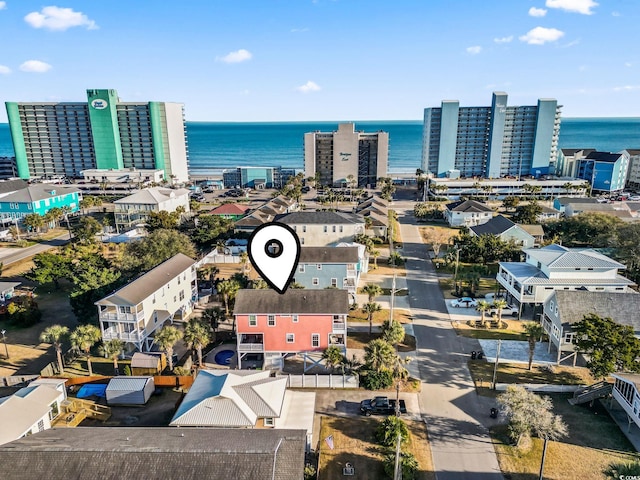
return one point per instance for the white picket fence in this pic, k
(322, 381)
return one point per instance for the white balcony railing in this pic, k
(339, 327)
(121, 317)
(113, 333)
(250, 347)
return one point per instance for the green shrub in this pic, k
(127, 370)
(408, 464)
(389, 429)
(372, 380)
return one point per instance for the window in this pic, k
(334, 229)
(40, 425)
(304, 228)
(294, 318)
(291, 338)
(268, 422)
(315, 281)
(325, 229)
(253, 321)
(301, 268)
(334, 282)
(341, 228)
(181, 295)
(271, 320)
(319, 266)
(315, 340)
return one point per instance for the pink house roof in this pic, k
(230, 209)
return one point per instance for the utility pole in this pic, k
(397, 473)
(544, 454)
(495, 366)
(4, 339)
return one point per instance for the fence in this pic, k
(322, 381)
(541, 387)
(16, 380)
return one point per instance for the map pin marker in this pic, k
(274, 251)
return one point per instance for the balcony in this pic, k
(339, 326)
(113, 333)
(114, 316)
(251, 343)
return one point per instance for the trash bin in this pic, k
(473, 355)
(494, 413)
(480, 355)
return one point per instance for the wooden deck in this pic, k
(75, 410)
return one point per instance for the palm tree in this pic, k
(14, 231)
(483, 307)
(370, 309)
(197, 335)
(83, 338)
(221, 246)
(533, 331)
(372, 290)
(228, 290)
(244, 261)
(375, 254)
(166, 338)
(210, 270)
(379, 355)
(332, 357)
(213, 316)
(55, 334)
(112, 349)
(499, 305)
(350, 365)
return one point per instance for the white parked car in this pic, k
(466, 302)
(508, 310)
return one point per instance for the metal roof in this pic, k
(153, 196)
(149, 283)
(128, 384)
(557, 256)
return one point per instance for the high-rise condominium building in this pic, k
(492, 142)
(63, 138)
(346, 154)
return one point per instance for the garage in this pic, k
(129, 390)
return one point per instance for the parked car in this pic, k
(508, 310)
(381, 406)
(466, 302)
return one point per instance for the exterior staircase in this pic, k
(592, 392)
(75, 410)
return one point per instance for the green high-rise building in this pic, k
(64, 138)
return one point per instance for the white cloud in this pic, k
(616, 14)
(59, 19)
(537, 12)
(4, 70)
(628, 64)
(3, 5)
(627, 88)
(238, 56)
(541, 35)
(577, 6)
(503, 39)
(308, 87)
(35, 66)
(476, 49)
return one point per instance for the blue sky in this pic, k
(294, 60)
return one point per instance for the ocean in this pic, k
(217, 145)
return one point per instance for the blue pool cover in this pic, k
(91, 389)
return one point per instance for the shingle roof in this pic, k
(229, 209)
(38, 191)
(468, 206)
(140, 288)
(320, 218)
(328, 255)
(623, 308)
(116, 453)
(7, 186)
(153, 196)
(303, 301)
(143, 360)
(563, 201)
(496, 226)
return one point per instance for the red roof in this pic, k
(229, 209)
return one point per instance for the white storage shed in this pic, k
(129, 390)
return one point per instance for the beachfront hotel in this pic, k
(54, 139)
(346, 153)
(490, 142)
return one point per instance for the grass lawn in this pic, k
(358, 340)
(594, 441)
(400, 315)
(487, 285)
(482, 373)
(385, 269)
(99, 366)
(512, 332)
(354, 442)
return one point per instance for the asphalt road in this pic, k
(22, 253)
(460, 442)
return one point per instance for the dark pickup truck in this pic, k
(381, 406)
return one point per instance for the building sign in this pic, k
(344, 156)
(99, 104)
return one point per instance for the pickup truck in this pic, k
(381, 406)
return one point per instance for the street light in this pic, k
(4, 339)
